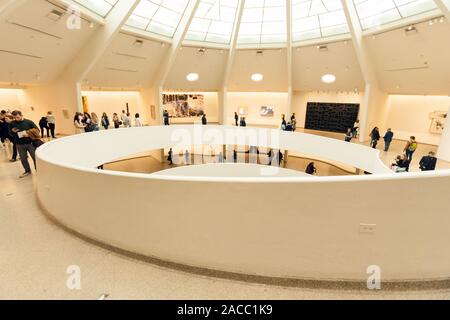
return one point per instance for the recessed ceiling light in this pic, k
(192, 77)
(329, 78)
(257, 77)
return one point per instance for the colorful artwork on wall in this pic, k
(184, 105)
(438, 121)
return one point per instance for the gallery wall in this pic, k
(253, 101)
(410, 115)
(17, 99)
(301, 98)
(115, 101)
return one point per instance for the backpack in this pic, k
(413, 147)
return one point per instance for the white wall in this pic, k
(254, 101)
(115, 101)
(301, 98)
(260, 231)
(409, 115)
(16, 99)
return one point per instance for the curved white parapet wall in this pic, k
(288, 227)
(235, 170)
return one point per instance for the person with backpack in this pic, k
(375, 137)
(43, 124)
(428, 163)
(411, 147)
(18, 129)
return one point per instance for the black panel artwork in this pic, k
(332, 117)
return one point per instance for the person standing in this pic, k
(116, 121)
(349, 135)
(187, 157)
(166, 118)
(170, 157)
(43, 125)
(311, 169)
(51, 120)
(127, 121)
(18, 130)
(388, 137)
(105, 121)
(137, 120)
(294, 122)
(375, 137)
(355, 129)
(411, 147)
(428, 163)
(124, 118)
(204, 120)
(78, 122)
(5, 120)
(236, 119)
(95, 122)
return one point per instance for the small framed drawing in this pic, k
(153, 112)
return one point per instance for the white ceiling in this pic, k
(398, 59)
(272, 64)
(210, 66)
(125, 65)
(413, 64)
(38, 47)
(310, 64)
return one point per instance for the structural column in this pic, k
(375, 100)
(223, 93)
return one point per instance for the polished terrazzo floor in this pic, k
(35, 255)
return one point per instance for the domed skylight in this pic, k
(264, 22)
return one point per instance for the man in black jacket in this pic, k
(388, 137)
(428, 163)
(18, 130)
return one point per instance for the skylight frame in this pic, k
(214, 22)
(152, 16)
(309, 20)
(100, 7)
(260, 16)
(390, 12)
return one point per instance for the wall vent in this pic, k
(322, 48)
(55, 15)
(138, 43)
(259, 53)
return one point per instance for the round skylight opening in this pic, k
(191, 77)
(329, 78)
(257, 77)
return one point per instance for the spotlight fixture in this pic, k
(192, 77)
(329, 78)
(257, 77)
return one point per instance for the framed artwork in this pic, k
(184, 105)
(153, 112)
(267, 112)
(438, 121)
(242, 111)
